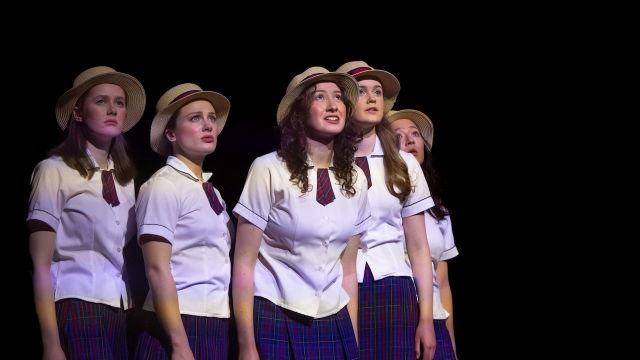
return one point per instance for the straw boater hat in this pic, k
(102, 75)
(419, 118)
(390, 84)
(174, 99)
(314, 75)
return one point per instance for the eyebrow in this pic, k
(200, 113)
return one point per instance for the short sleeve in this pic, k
(46, 200)
(157, 208)
(450, 249)
(256, 200)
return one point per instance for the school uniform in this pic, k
(300, 305)
(87, 269)
(388, 309)
(174, 205)
(442, 247)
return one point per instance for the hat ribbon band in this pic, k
(183, 95)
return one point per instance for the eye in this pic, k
(319, 97)
(338, 97)
(377, 92)
(415, 134)
(120, 103)
(361, 92)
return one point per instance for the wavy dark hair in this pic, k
(293, 145)
(439, 211)
(396, 173)
(73, 150)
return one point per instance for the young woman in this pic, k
(299, 219)
(415, 136)
(394, 322)
(81, 216)
(185, 232)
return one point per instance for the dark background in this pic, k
(450, 80)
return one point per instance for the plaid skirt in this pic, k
(208, 338)
(444, 347)
(387, 317)
(284, 334)
(90, 330)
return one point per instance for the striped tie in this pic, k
(213, 198)
(363, 163)
(324, 192)
(109, 188)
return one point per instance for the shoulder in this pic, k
(50, 166)
(267, 161)
(161, 180)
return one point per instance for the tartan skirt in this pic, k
(90, 330)
(284, 334)
(208, 338)
(444, 347)
(387, 317)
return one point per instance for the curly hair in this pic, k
(293, 145)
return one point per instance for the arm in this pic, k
(350, 279)
(41, 246)
(442, 275)
(248, 240)
(157, 253)
(420, 258)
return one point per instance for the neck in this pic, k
(320, 153)
(195, 165)
(100, 154)
(365, 146)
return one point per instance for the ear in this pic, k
(170, 135)
(76, 114)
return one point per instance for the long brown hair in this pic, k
(73, 150)
(396, 174)
(293, 145)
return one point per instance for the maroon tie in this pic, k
(213, 198)
(324, 192)
(109, 188)
(363, 163)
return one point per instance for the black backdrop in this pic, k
(447, 83)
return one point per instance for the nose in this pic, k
(332, 105)
(410, 140)
(371, 98)
(112, 108)
(208, 125)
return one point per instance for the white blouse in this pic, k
(382, 245)
(173, 204)
(298, 266)
(90, 234)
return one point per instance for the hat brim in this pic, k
(136, 98)
(422, 121)
(390, 85)
(345, 82)
(159, 142)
